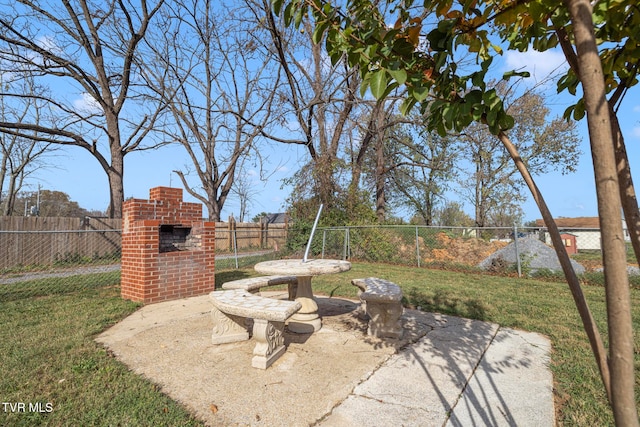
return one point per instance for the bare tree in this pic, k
(84, 52)
(426, 168)
(244, 192)
(19, 156)
(492, 186)
(341, 128)
(215, 78)
(373, 151)
(320, 99)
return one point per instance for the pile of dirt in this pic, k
(461, 250)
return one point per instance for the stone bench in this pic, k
(381, 301)
(254, 284)
(231, 309)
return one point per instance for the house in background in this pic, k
(581, 232)
(275, 218)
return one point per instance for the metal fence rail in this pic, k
(43, 262)
(36, 262)
(465, 247)
(406, 244)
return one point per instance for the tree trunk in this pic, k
(429, 199)
(621, 359)
(478, 199)
(625, 182)
(116, 186)
(214, 212)
(323, 171)
(3, 174)
(590, 326)
(369, 136)
(381, 202)
(11, 196)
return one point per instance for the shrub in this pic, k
(372, 244)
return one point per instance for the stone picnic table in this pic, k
(307, 320)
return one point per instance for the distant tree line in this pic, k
(45, 203)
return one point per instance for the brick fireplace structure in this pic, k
(168, 251)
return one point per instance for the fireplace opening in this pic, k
(175, 238)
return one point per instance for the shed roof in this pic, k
(578, 222)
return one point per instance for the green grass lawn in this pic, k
(48, 354)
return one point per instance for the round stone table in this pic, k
(307, 319)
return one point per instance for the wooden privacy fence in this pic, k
(28, 241)
(43, 241)
(243, 236)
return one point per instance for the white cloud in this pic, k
(49, 43)
(6, 78)
(636, 131)
(539, 64)
(87, 104)
(636, 109)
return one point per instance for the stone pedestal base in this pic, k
(304, 326)
(269, 343)
(384, 319)
(228, 328)
(381, 301)
(306, 320)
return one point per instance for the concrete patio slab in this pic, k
(512, 385)
(444, 370)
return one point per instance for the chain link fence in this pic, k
(492, 249)
(46, 262)
(246, 247)
(34, 263)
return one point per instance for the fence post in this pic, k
(235, 247)
(324, 240)
(286, 228)
(346, 237)
(515, 241)
(231, 225)
(417, 247)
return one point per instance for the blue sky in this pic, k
(78, 174)
(573, 195)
